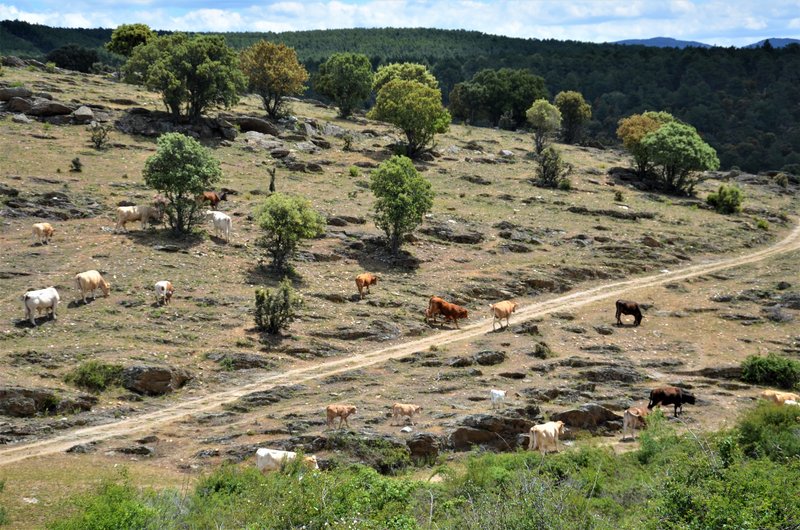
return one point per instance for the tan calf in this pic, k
(42, 232)
(363, 281)
(89, 281)
(341, 412)
(502, 310)
(404, 409)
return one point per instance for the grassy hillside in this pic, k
(491, 235)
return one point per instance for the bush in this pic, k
(551, 169)
(770, 430)
(771, 370)
(95, 375)
(117, 506)
(3, 517)
(276, 310)
(354, 171)
(618, 196)
(99, 135)
(564, 184)
(76, 166)
(762, 224)
(727, 199)
(286, 220)
(73, 57)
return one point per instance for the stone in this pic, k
(604, 374)
(46, 108)
(491, 431)
(141, 450)
(407, 429)
(21, 118)
(251, 123)
(526, 328)
(512, 375)
(266, 397)
(590, 416)
(11, 60)
(377, 330)
(651, 242)
(306, 147)
(83, 448)
(240, 360)
(154, 380)
(22, 402)
(604, 330)
(19, 105)
(453, 233)
(83, 114)
(490, 357)
(6, 93)
(460, 362)
(424, 446)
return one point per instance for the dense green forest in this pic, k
(744, 102)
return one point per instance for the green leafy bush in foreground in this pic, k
(746, 477)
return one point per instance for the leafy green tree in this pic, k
(545, 119)
(415, 108)
(632, 129)
(466, 100)
(273, 72)
(575, 112)
(507, 91)
(678, 152)
(127, 37)
(192, 73)
(74, 57)
(286, 220)
(276, 310)
(181, 169)
(406, 71)
(402, 198)
(346, 78)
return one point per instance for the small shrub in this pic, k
(95, 375)
(782, 180)
(542, 351)
(727, 199)
(618, 196)
(100, 135)
(771, 370)
(276, 310)
(564, 185)
(762, 224)
(76, 165)
(50, 67)
(115, 506)
(770, 430)
(348, 142)
(354, 172)
(551, 169)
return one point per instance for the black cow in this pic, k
(670, 395)
(625, 307)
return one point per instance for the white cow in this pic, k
(89, 281)
(222, 224)
(497, 396)
(544, 435)
(143, 213)
(40, 300)
(273, 459)
(164, 291)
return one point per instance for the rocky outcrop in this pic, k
(489, 431)
(265, 397)
(375, 330)
(424, 447)
(453, 233)
(590, 416)
(143, 122)
(154, 380)
(27, 402)
(240, 360)
(251, 123)
(6, 93)
(490, 357)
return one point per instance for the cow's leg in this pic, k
(619, 321)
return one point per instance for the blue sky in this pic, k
(724, 23)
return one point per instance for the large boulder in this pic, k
(26, 402)
(16, 104)
(6, 93)
(490, 357)
(46, 108)
(251, 123)
(154, 380)
(486, 430)
(590, 416)
(453, 233)
(83, 114)
(424, 446)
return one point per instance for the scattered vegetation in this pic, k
(275, 310)
(346, 78)
(771, 370)
(95, 375)
(575, 113)
(727, 199)
(273, 72)
(402, 198)
(286, 220)
(354, 171)
(551, 170)
(746, 477)
(76, 166)
(544, 119)
(99, 134)
(180, 170)
(762, 224)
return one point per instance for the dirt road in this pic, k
(148, 421)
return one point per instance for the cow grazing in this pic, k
(541, 436)
(502, 310)
(164, 291)
(625, 307)
(212, 197)
(670, 395)
(403, 409)
(39, 301)
(363, 281)
(779, 397)
(143, 213)
(89, 281)
(222, 224)
(42, 232)
(274, 459)
(633, 417)
(437, 306)
(497, 396)
(341, 412)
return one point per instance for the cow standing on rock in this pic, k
(625, 307)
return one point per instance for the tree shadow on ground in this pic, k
(165, 240)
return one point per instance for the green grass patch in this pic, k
(95, 376)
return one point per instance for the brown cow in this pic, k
(363, 281)
(438, 306)
(625, 307)
(670, 395)
(341, 412)
(212, 197)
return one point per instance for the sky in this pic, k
(722, 23)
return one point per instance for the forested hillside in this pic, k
(745, 102)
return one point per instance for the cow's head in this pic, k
(688, 397)
(560, 427)
(461, 313)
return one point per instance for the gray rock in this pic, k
(6, 93)
(46, 108)
(453, 233)
(613, 373)
(154, 380)
(490, 357)
(251, 123)
(240, 360)
(21, 118)
(460, 362)
(26, 402)
(266, 397)
(19, 105)
(376, 330)
(83, 114)
(424, 446)
(590, 416)
(306, 147)
(486, 430)
(604, 330)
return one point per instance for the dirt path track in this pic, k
(148, 421)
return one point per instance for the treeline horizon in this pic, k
(745, 102)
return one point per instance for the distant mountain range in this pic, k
(667, 42)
